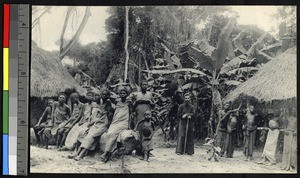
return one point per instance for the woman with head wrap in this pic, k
(269, 151)
(143, 101)
(119, 123)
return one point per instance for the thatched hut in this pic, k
(48, 78)
(275, 81)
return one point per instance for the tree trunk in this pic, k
(37, 19)
(210, 131)
(126, 42)
(64, 28)
(66, 49)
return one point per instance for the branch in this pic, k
(195, 71)
(77, 34)
(38, 18)
(88, 76)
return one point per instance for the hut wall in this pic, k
(37, 107)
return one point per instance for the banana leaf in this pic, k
(258, 41)
(237, 41)
(160, 67)
(192, 85)
(272, 46)
(233, 64)
(203, 59)
(241, 70)
(160, 60)
(262, 57)
(221, 52)
(205, 47)
(176, 61)
(232, 82)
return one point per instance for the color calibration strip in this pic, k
(13, 89)
(6, 18)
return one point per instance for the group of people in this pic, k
(78, 127)
(286, 122)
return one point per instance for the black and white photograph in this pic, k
(163, 89)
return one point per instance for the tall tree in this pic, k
(65, 48)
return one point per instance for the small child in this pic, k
(146, 130)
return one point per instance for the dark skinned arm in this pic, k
(43, 116)
(52, 115)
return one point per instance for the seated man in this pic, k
(43, 123)
(76, 109)
(59, 117)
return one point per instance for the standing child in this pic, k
(146, 130)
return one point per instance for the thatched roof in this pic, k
(276, 80)
(48, 76)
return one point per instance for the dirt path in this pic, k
(165, 161)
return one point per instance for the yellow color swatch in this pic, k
(5, 68)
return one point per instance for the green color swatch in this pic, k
(5, 111)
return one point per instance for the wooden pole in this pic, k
(126, 42)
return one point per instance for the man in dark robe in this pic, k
(250, 128)
(185, 143)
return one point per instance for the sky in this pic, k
(47, 33)
(260, 16)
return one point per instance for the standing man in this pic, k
(185, 143)
(142, 101)
(222, 128)
(250, 132)
(231, 134)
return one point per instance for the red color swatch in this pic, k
(6, 9)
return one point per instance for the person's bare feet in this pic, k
(77, 158)
(102, 157)
(71, 156)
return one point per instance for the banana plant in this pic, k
(210, 62)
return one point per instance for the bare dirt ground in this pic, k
(164, 161)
